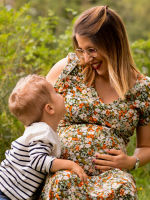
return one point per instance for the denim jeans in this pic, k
(3, 196)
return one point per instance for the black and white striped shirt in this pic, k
(28, 161)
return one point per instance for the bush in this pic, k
(141, 54)
(26, 48)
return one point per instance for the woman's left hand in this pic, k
(115, 159)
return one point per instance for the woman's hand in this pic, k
(115, 159)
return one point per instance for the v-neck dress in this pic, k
(91, 126)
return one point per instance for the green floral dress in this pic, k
(92, 126)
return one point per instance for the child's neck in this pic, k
(52, 123)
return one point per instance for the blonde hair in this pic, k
(28, 99)
(107, 32)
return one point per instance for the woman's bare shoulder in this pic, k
(56, 70)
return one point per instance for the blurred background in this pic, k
(35, 34)
(135, 13)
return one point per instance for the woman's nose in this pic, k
(87, 58)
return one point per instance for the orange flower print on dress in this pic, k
(90, 127)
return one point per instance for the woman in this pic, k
(107, 98)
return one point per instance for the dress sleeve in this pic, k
(144, 118)
(60, 85)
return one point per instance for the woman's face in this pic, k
(99, 62)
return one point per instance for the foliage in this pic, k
(28, 46)
(25, 47)
(141, 54)
(137, 25)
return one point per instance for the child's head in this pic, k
(28, 99)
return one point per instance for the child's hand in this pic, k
(79, 171)
(60, 164)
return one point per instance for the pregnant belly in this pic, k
(81, 142)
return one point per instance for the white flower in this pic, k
(94, 116)
(73, 197)
(114, 185)
(93, 195)
(73, 189)
(84, 91)
(134, 117)
(97, 110)
(64, 140)
(102, 137)
(127, 115)
(131, 193)
(131, 111)
(86, 167)
(104, 112)
(82, 116)
(114, 121)
(90, 100)
(91, 132)
(121, 105)
(84, 128)
(68, 96)
(70, 139)
(89, 94)
(137, 101)
(66, 177)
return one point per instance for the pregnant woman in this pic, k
(107, 98)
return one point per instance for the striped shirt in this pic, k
(29, 160)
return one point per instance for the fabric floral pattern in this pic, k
(91, 126)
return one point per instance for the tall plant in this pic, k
(25, 48)
(141, 54)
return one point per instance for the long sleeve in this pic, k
(40, 158)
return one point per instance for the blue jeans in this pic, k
(3, 196)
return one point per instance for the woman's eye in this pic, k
(91, 50)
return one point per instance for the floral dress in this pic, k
(91, 126)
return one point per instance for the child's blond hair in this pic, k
(28, 99)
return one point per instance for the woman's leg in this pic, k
(113, 184)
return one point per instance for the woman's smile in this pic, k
(97, 65)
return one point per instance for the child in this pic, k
(36, 104)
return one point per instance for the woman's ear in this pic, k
(49, 109)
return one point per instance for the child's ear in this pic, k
(49, 109)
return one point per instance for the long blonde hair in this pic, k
(107, 32)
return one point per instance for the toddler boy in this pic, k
(36, 104)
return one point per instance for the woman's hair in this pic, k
(28, 99)
(107, 32)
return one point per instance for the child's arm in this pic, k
(41, 160)
(59, 164)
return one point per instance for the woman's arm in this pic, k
(56, 71)
(121, 160)
(142, 150)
